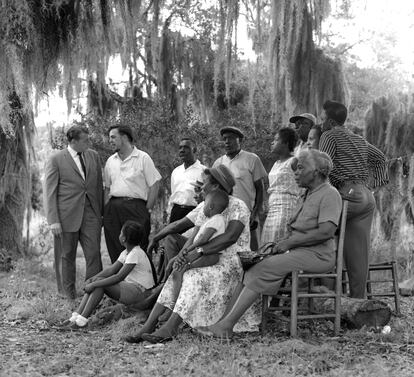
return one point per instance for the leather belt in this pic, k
(126, 198)
(183, 206)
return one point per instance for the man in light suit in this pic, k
(74, 205)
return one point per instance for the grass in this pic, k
(31, 346)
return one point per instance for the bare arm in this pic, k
(221, 242)
(203, 239)
(259, 186)
(121, 271)
(178, 226)
(323, 232)
(111, 270)
(190, 241)
(153, 194)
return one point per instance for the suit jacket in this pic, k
(66, 190)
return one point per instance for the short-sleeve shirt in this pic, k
(192, 216)
(235, 211)
(247, 168)
(142, 273)
(182, 183)
(216, 222)
(323, 204)
(131, 177)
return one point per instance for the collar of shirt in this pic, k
(309, 192)
(72, 152)
(134, 153)
(196, 164)
(237, 155)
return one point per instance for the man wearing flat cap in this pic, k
(354, 162)
(303, 123)
(249, 174)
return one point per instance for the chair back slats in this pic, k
(295, 295)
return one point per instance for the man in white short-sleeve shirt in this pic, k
(183, 180)
(131, 188)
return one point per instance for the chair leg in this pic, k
(369, 286)
(265, 309)
(344, 286)
(311, 306)
(338, 295)
(396, 290)
(294, 305)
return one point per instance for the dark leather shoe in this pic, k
(155, 338)
(133, 339)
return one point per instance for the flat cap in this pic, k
(309, 116)
(233, 130)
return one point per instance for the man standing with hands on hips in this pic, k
(354, 162)
(73, 194)
(131, 188)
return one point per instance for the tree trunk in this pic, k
(357, 312)
(15, 187)
(407, 287)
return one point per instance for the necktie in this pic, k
(82, 163)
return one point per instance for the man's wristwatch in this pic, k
(199, 250)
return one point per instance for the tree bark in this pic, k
(15, 185)
(358, 312)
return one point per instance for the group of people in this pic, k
(203, 282)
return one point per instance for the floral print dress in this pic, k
(206, 291)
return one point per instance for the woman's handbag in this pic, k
(249, 258)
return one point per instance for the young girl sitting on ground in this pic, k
(125, 281)
(215, 203)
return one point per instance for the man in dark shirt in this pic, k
(354, 161)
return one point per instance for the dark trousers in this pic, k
(357, 235)
(65, 246)
(178, 212)
(173, 243)
(119, 210)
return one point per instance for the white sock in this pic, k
(73, 317)
(81, 321)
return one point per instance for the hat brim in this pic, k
(216, 175)
(233, 131)
(296, 118)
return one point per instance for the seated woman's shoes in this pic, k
(155, 338)
(133, 339)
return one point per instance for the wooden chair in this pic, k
(293, 294)
(391, 279)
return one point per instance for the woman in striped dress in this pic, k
(283, 190)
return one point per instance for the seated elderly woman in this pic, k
(205, 292)
(309, 245)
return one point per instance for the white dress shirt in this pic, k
(182, 183)
(131, 177)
